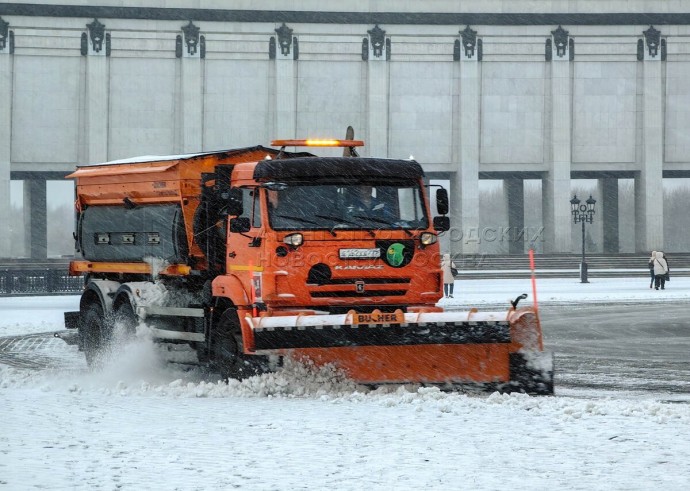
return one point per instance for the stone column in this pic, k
(36, 225)
(5, 134)
(378, 74)
(649, 205)
(556, 186)
(95, 48)
(467, 133)
(514, 192)
(285, 53)
(607, 213)
(191, 96)
(455, 234)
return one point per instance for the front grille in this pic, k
(348, 287)
(354, 294)
(367, 281)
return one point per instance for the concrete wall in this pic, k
(514, 108)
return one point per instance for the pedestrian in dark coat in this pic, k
(651, 269)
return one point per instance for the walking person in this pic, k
(651, 269)
(449, 272)
(668, 268)
(660, 270)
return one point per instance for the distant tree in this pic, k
(60, 224)
(492, 217)
(16, 233)
(60, 228)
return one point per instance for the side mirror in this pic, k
(235, 202)
(442, 201)
(240, 225)
(441, 224)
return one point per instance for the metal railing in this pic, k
(23, 282)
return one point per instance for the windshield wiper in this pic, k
(342, 220)
(297, 219)
(384, 222)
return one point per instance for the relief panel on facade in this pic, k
(512, 122)
(142, 107)
(329, 99)
(420, 119)
(677, 144)
(45, 109)
(604, 112)
(236, 104)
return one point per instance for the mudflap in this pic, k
(71, 335)
(72, 320)
(531, 372)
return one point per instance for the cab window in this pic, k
(250, 205)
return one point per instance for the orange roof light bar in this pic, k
(317, 143)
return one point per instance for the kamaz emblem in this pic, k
(359, 286)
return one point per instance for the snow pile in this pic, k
(140, 371)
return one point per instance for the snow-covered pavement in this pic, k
(568, 290)
(142, 424)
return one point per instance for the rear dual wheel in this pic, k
(125, 321)
(93, 333)
(97, 330)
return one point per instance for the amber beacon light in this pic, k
(317, 143)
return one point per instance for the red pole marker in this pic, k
(534, 281)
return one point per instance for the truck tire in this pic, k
(93, 334)
(126, 321)
(228, 356)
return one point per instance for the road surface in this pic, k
(632, 347)
(603, 350)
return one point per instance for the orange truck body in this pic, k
(356, 315)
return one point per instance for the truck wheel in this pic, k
(126, 321)
(228, 351)
(93, 334)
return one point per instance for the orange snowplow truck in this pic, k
(254, 254)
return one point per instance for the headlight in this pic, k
(428, 238)
(295, 240)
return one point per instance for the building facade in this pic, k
(509, 90)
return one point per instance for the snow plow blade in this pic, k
(499, 350)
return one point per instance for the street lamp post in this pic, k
(583, 213)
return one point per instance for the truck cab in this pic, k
(332, 235)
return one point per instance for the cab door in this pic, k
(244, 244)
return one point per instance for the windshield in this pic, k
(347, 206)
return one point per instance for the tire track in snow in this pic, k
(38, 351)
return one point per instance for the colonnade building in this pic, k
(476, 89)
